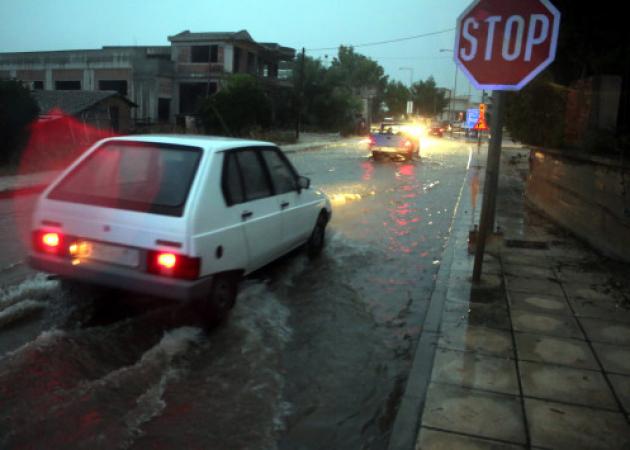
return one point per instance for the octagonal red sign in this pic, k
(504, 44)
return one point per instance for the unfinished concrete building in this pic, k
(165, 82)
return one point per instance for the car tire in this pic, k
(378, 156)
(220, 300)
(317, 240)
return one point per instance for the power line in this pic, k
(369, 44)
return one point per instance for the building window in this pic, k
(119, 86)
(204, 53)
(67, 85)
(236, 66)
(251, 63)
(37, 85)
(200, 54)
(164, 109)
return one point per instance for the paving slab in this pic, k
(475, 370)
(476, 314)
(621, 386)
(528, 271)
(548, 324)
(596, 292)
(529, 260)
(554, 350)
(475, 338)
(566, 427)
(564, 384)
(430, 439)
(534, 286)
(614, 358)
(540, 303)
(474, 412)
(608, 309)
(599, 330)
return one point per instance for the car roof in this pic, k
(208, 143)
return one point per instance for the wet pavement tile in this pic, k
(595, 292)
(430, 439)
(606, 331)
(567, 427)
(600, 309)
(528, 260)
(479, 314)
(614, 358)
(519, 270)
(548, 324)
(621, 385)
(577, 274)
(564, 384)
(479, 413)
(554, 350)
(474, 338)
(540, 303)
(473, 370)
(534, 286)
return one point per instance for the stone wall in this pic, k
(588, 195)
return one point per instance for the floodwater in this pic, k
(315, 354)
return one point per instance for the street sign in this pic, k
(472, 117)
(504, 44)
(409, 107)
(481, 121)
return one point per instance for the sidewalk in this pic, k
(35, 182)
(536, 356)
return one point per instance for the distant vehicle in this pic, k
(436, 129)
(176, 217)
(395, 139)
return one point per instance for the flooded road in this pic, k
(315, 354)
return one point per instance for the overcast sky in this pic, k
(34, 25)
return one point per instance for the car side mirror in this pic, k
(303, 183)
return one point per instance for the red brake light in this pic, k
(47, 241)
(173, 265)
(407, 143)
(372, 141)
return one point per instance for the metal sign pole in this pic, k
(486, 223)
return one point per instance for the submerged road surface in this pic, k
(315, 354)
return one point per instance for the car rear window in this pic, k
(136, 176)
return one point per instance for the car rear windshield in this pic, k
(136, 176)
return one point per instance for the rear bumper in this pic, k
(123, 278)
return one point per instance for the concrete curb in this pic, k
(407, 423)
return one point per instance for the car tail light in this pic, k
(173, 265)
(407, 143)
(48, 241)
(372, 141)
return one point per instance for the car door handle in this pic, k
(246, 215)
(284, 205)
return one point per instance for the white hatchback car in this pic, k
(178, 217)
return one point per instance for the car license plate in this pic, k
(114, 254)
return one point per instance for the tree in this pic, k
(396, 97)
(428, 99)
(17, 110)
(238, 107)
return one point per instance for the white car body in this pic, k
(106, 244)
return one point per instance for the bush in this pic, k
(237, 108)
(536, 114)
(17, 110)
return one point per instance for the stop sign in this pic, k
(503, 44)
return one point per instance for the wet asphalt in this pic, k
(315, 354)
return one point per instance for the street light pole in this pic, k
(452, 111)
(410, 69)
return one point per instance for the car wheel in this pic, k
(377, 156)
(316, 242)
(221, 299)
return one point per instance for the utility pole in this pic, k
(300, 93)
(486, 222)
